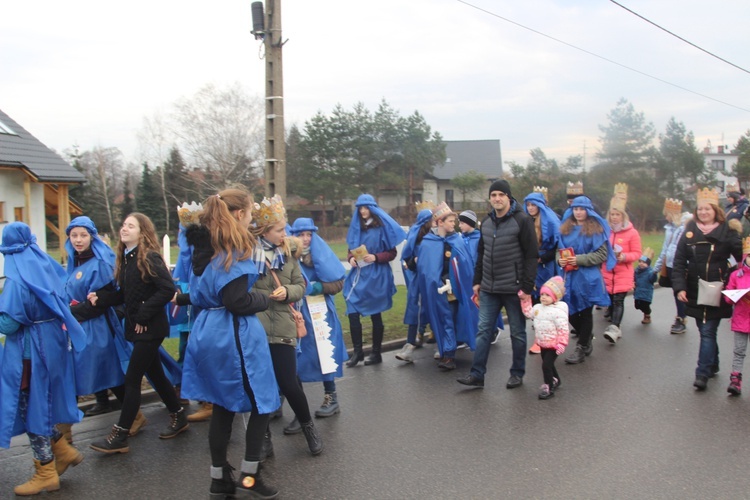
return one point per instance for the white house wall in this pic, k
(11, 193)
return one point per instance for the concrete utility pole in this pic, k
(275, 139)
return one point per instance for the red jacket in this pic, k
(739, 280)
(621, 278)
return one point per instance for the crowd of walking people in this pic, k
(262, 318)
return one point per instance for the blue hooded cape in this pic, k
(550, 226)
(326, 268)
(181, 317)
(449, 329)
(585, 287)
(369, 290)
(33, 297)
(414, 313)
(217, 352)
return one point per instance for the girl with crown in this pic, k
(369, 288)
(703, 255)
(281, 280)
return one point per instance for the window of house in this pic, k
(18, 213)
(449, 197)
(4, 129)
(718, 165)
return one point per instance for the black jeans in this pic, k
(583, 322)
(285, 367)
(145, 361)
(644, 306)
(548, 366)
(220, 431)
(617, 309)
(355, 327)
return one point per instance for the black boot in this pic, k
(222, 482)
(177, 423)
(116, 442)
(314, 442)
(267, 446)
(357, 356)
(355, 327)
(251, 485)
(377, 341)
(374, 358)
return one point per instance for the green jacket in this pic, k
(277, 319)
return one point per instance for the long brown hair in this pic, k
(589, 227)
(719, 216)
(227, 236)
(147, 243)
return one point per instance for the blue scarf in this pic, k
(327, 266)
(410, 246)
(550, 222)
(279, 257)
(101, 250)
(393, 234)
(26, 263)
(585, 202)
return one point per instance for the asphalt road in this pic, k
(625, 424)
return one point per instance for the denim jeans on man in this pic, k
(490, 305)
(708, 354)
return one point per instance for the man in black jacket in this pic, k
(504, 275)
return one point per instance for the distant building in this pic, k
(722, 161)
(34, 183)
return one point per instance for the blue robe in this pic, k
(414, 313)
(216, 352)
(550, 226)
(584, 287)
(52, 397)
(471, 240)
(369, 290)
(449, 329)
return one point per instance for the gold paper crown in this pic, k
(620, 199)
(269, 211)
(733, 188)
(672, 206)
(575, 189)
(707, 195)
(425, 205)
(746, 246)
(441, 211)
(648, 252)
(188, 214)
(543, 190)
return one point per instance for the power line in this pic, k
(604, 58)
(680, 38)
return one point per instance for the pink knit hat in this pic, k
(554, 287)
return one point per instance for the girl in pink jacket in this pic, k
(739, 280)
(551, 328)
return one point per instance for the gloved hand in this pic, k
(317, 288)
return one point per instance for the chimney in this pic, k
(721, 150)
(706, 150)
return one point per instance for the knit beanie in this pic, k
(468, 217)
(502, 186)
(554, 287)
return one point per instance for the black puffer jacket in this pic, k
(704, 256)
(144, 300)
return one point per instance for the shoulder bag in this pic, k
(299, 320)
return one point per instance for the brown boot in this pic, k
(140, 421)
(203, 414)
(44, 479)
(646, 319)
(65, 455)
(67, 431)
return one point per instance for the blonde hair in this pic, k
(291, 246)
(227, 236)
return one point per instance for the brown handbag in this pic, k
(299, 320)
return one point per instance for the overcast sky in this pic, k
(88, 72)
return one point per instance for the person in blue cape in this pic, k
(325, 273)
(37, 382)
(228, 362)
(369, 288)
(547, 227)
(586, 234)
(467, 224)
(445, 274)
(102, 364)
(415, 316)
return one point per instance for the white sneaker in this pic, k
(406, 353)
(612, 333)
(462, 345)
(437, 355)
(495, 337)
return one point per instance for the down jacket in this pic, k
(739, 280)
(551, 326)
(621, 278)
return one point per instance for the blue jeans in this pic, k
(490, 305)
(708, 355)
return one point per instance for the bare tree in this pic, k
(221, 131)
(103, 167)
(155, 139)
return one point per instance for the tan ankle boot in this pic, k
(140, 421)
(44, 479)
(67, 431)
(65, 455)
(205, 412)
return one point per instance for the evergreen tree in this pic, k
(742, 168)
(680, 161)
(148, 198)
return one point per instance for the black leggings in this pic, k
(355, 327)
(145, 361)
(220, 431)
(583, 322)
(284, 359)
(617, 309)
(548, 366)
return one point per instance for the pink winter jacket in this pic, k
(622, 277)
(738, 280)
(551, 325)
